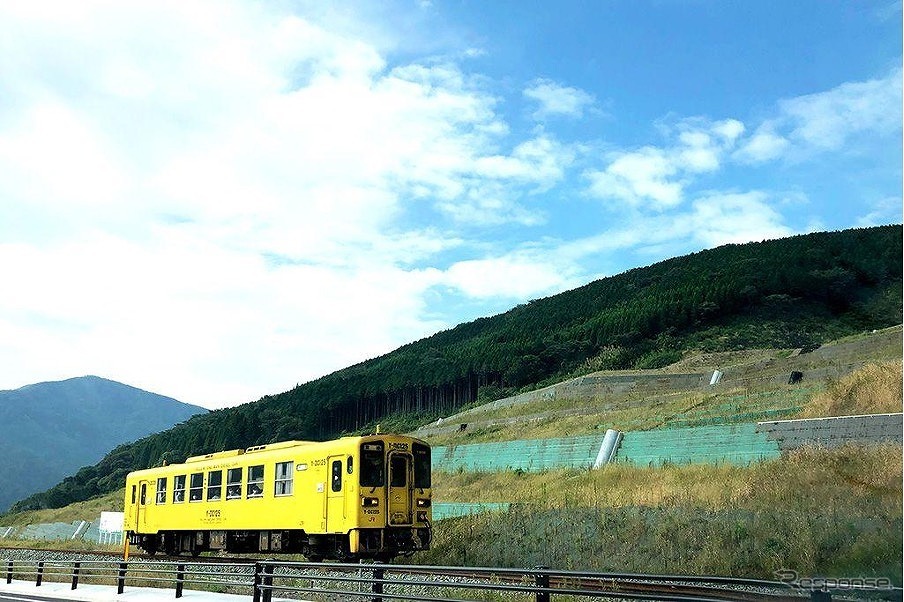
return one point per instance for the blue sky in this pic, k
(217, 200)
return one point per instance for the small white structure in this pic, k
(110, 528)
(607, 450)
(716, 379)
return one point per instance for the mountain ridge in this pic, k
(53, 428)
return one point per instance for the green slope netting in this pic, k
(527, 454)
(730, 443)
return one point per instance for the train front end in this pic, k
(394, 497)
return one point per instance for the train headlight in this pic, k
(370, 502)
(423, 503)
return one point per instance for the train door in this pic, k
(335, 496)
(399, 495)
(140, 499)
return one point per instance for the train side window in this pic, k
(336, 481)
(134, 489)
(196, 486)
(214, 484)
(256, 481)
(234, 484)
(161, 491)
(283, 484)
(144, 494)
(349, 465)
(179, 488)
(398, 471)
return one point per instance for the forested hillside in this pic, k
(783, 293)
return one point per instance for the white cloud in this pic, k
(826, 120)
(557, 100)
(849, 114)
(639, 177)
(711, 219)
(189, 194)
(764, 145)
(887, 210)
(655, 178)
(515, 276)
(722, 218)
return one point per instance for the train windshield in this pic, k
(373, 464)
(421, 466)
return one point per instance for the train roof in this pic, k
(269, 447)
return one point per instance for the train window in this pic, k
(349, 466)
(336, 481)
(283, 478)
(398, 471)
(134, 489)
(421, 465)
(256, 481)
(373, 468)
(234, 484)
(179, 488)
(196, 486)
(214, 484)
(161, 491)
(144, 494)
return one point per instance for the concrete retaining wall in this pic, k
(834, 432)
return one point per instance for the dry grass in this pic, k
(838, 477)
(873, 389)
(564, 417)
(834, 513)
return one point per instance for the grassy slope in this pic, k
(88, 511)
(753, 390)
(819, 512)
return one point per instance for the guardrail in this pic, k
(385, 582)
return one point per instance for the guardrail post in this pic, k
(9, 571)
(75, 568)
(542, 580)
(39, 574)
(268, 583)
(256, 583)
(180, 579)
(376, 585)
(121, 578)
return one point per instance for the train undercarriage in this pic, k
(378, 544)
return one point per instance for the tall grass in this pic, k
(873, 389)
(815, 511)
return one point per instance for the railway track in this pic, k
(642, 586)
(416, 582)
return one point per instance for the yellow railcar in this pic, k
(355, 497)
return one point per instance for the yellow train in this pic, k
(355, 497)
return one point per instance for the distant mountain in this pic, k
(50, 430)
